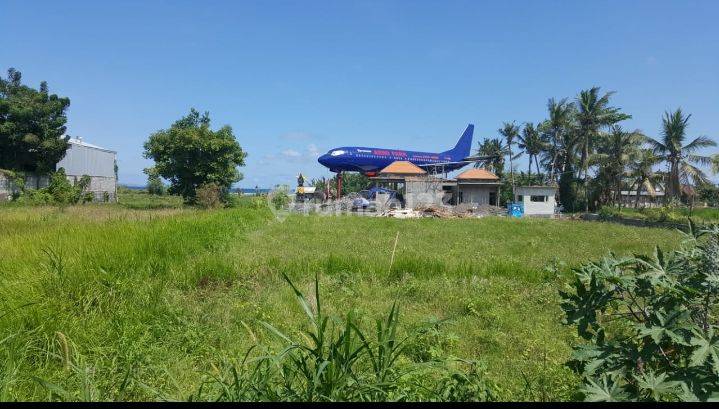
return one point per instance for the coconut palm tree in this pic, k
(497, 150)
(679, 157)
(641, 173)
(614, 152)
(593, 114)
(510, 132)
(533, 144)
(556, 130)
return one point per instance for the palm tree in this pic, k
(680, 158)
(533, 144)
(715, 163)
(593, 114)
(510, 132)
(614, 152)
(497, 150)
(556, 129)
(641, 173)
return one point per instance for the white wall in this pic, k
(536, 208)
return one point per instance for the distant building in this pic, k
(478, 186)
(643, 198)
(99, 163)
(416, 188)
(537, 200)
(81, 158)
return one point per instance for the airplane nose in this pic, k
(324, 160)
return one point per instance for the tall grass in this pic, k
(149, 302)
(336, 360)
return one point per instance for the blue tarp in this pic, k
(515, 209)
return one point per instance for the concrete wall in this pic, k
(544, 208)
(7, 187)
(424, 192)
(98, 185)
(475, 194)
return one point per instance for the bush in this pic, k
(208, 196)
(649, 323)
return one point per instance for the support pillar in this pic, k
(339, 185)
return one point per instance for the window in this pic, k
(538, 198)
(520, 198)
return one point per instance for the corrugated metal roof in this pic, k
(402, 167)
(477, 173)
(80, 142)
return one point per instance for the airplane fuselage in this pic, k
(368, 160)
(371, 160)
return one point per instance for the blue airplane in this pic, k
(369, 161)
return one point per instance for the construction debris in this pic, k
(445, 212)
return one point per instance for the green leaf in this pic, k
(707, 345)
(606, 391)
(657, 386)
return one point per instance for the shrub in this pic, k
(61, 190)
(208, 196)
(650, 323)
(155, 185)
(280, 196)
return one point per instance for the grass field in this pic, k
(674, 215)
(116, 302)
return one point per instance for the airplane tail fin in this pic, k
(464, 145)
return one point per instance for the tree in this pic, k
(593, 114)
(641, 173)
(532, 143)
(190, 154)
(154, 183)
(354, 182)
(497, 150)
(510, 132)
(557, 131)
(679, 157)
(614, 152)
(32, 123)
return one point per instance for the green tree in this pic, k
(613, 154)
(32, 123)
(641, 173)
(533, 144)
(354, 182)
(510, 133)
(593, 115)
(190, 154)
(679, 157)
(497, 150)
(557, 130)
(154, 182)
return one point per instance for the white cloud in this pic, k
(291, 153)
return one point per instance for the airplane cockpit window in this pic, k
(337, 152)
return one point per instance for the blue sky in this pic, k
(296, 78)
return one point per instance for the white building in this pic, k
(537, 200)
(81, 158)
(99, 163)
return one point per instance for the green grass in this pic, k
(140, 199)
(673, 215)
(112, 303)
